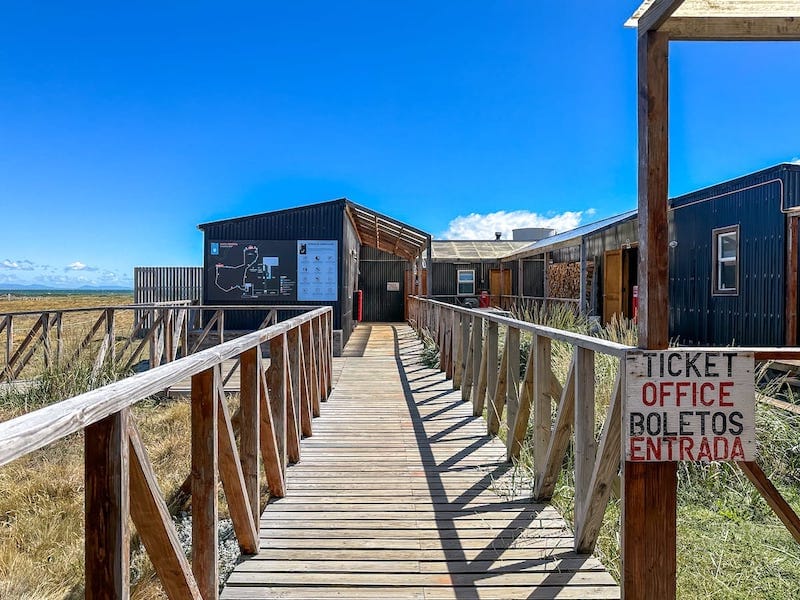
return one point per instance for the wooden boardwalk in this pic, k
(401, 494)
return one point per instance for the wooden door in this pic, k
(612, 285)
(499, 285)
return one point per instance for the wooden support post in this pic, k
(59, 337)
(278, 397)
(312, 353)
(458, 349)
(290, 369)
(306, 383)
(547, 471)
(111, 334)
(295, 362)
(107, 541)
(46, 339)
(492, 349)
(475, 354)
(154, 525)
(512, 385)
(498, 400)
(542, 412)
(9, 339)
(329, 353)
(249, 382)
(482, 379)
(469, 352)
(585, 446)
(649, 496)
(205, 470)
(519, 427)
(272, 454)
(221, 325)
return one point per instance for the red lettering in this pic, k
(703, 394)
(665, 386)
(679, 391)
(647, 387)
(705, 450)
(724, 393)
(636, 449)
(686, 446)
(737, 451)
(653, 449)
(720, 448)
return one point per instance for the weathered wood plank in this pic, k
(154, 525)
(205, 472)
(249, 425)
(107, 540)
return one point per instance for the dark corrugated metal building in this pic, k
(307, 255)
(733, 262)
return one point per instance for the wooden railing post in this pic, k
(585, 445)
(45, 317)
(497, 401)
(474, 360)
(277, 397)
(291, 374)
(111, 333)
(306, 409)
(59, 337)
(9, 339)
(205, 474)
(329, 353)
(107, 539)
(542, 414)
(512, 385)
(249, 381)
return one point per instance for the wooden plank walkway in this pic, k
(401, 494)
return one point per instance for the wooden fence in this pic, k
(276, 411)
(167, 284)
(468, 342)
(119, 335)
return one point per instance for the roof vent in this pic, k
(498, 235)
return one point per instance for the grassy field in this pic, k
(41, 494)
(75, 324)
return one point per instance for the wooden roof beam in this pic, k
(656, 14)
(733, 28)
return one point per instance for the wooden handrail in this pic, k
(275, 413)
(468, 353)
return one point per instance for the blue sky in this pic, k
(122, 128)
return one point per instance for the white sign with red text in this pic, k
(689, 405)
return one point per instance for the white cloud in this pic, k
(17, 265)
(795, 160)
(79, 266)
(477, 226)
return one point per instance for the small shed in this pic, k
(304, 256)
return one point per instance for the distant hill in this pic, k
(38, 287)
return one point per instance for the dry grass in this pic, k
(76, 325)
(41, 494)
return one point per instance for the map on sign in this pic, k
(264, 270)
(251, 270)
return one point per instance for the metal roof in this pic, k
(473, 250)
(569, 238)
(373, 229)
(387, 234)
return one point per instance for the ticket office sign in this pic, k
(689, 405)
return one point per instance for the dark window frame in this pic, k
(716, 236)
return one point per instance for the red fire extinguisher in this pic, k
(636, 304)
(483, 301)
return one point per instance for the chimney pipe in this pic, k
(498, 235)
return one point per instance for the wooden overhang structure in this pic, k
(649, 493)
(385, 233)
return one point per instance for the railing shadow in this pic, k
(466, 567)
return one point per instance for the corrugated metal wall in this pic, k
(349, 270)
(167, 284)
(316, 222)
(532, 277)
(376, 269)
(442, 277)
(756, 316)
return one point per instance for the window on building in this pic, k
(726, 261)
(466, 282)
